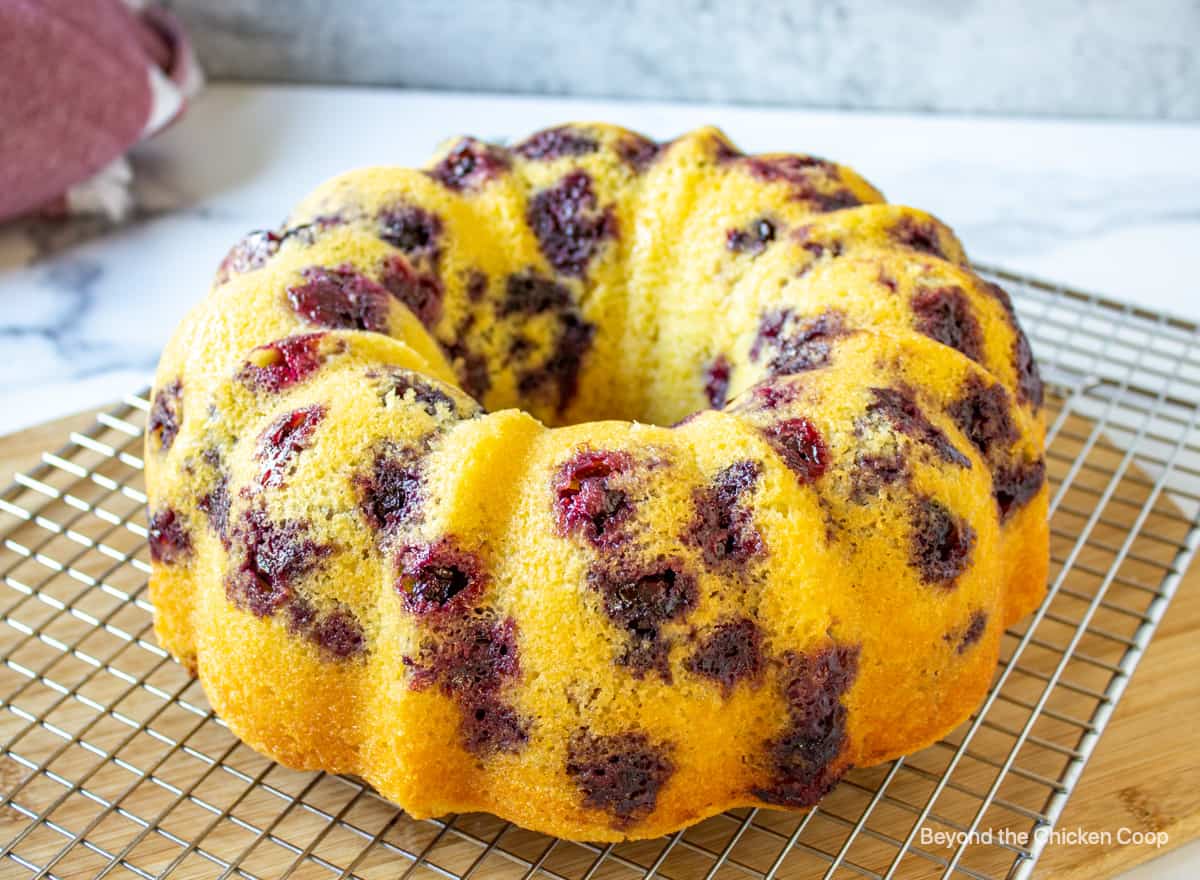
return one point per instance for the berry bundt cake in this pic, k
(596, 483)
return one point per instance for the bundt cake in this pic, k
(596, 483)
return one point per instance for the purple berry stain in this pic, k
(555, 143)
(637, 152)
(471, 660)
(391, 493)
(1016, 484)
(920, 235)
(469, 165)
(722, 528)
(802, 757)
(808, 178)
(411, 229)
(941, 545)
(283, 439)
(166, 414)
(796, 344)
(273, 556)
(799, 443)
(420, 292)
(587, 501)
(899, 406)
(340, 299)
(945, 314)
(620, 774)
(716, 381)
(640, 598)
(730, 653)
(752, 239)
(569, 225)
(338, 633)
(168, 537)
(438, 578)
(279, 365)
(984, 415)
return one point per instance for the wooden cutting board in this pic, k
(1143, 776)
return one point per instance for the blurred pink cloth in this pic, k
(82, 81)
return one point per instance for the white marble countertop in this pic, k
(84, 308)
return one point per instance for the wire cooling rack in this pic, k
(112, 763)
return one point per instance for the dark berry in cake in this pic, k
(945, 314)
(339, 634)
(716, 381)
(971, 633)
(273, 556)
(723, 151)
(256, 248)
(731, 652)
(796, 344)
(439, 577)
(407, 385)
(640, 598)
(554, 143)
(477, 285)
(587, 498)
(413, 230)
(810, 179)
(1029, 379)
(636, 151)
(722, 528)
(469, 165)
(984, 414)
(215, 505)
(299, 614)
(899, 406)
(470, 660)
(802, 758)
(1000, 295)
(391, 494)
(168, 537)
(471, 367)
(282, 364)
(166, 414)
(251, 253)
(421, 292)
(816, 242)
(753, 239)
(340, 299)
(1016, 484)
(528, 293)
(569, 224)
(621, 774)
(801, 446)
(283, 439)
(872, 472)
(920, 235)
(942, 543)
(769, 394)
(560, 370)
(475, 657)
(489, 725)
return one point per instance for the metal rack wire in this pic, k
(112, 764)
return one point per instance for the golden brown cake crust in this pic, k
(600, 484)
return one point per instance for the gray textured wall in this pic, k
(1072, 57)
